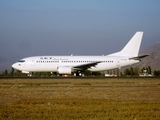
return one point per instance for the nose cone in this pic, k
(15, 66)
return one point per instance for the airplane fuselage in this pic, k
(51, 63)
(68, 64)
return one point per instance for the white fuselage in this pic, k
(51, 63)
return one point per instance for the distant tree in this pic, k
(12, 72)
(156, 73)
(42, 74)
(6, 73)
(87, 73)
(97, 74)
(118, 72)
(114, 72)
(19, 73)
(146, 70)
(142, 70)
(131, 71)
(136, 71)
(110, 72)
(121, 74)
(149, 70)
(127, 72)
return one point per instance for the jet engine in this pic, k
(64, 70)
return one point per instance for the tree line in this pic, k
(131, 71)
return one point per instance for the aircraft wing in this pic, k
(139, 57)
(85, 66)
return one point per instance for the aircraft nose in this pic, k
(15, 66)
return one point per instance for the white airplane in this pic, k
(64, 65)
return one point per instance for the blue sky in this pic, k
(78, 27)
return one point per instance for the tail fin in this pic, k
(132, 47)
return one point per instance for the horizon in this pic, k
(60, 27)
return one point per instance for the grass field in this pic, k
(80, 99)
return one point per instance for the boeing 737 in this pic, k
(65, 65)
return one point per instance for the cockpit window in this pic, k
(22, 61)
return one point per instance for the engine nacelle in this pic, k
(64, 70)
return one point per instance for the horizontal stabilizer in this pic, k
(138, 57)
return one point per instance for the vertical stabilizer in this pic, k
(132, 47)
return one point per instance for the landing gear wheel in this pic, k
(78, 73)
